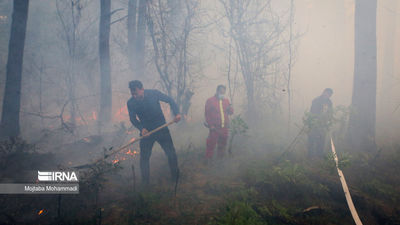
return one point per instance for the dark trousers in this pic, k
(163, 137)
(316, 142)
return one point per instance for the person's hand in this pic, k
(177, 118)
(144, 132)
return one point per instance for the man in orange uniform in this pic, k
(217, 111)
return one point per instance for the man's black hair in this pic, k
(220, 86)
(329, 90)
(135, 84)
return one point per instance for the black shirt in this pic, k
(148, 110)
(321, 105)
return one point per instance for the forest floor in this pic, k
(253, 186)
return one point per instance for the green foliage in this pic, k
(338, 115)
(144, 208)
(16, 155)
(289, 172)
(95, 177)
(238, 213)
(275, 210)
(238, 126)
(344, 161)
(244, 194)
(381, 190)
(15, 145)
(287, 179)
(285, 173)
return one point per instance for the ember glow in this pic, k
(121, 114)
(41, 212)
(94, 115)
(131, 152)
(122, 156)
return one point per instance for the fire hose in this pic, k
(346, 191)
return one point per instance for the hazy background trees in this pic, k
(189, 46)
(171, 25)
(12, 96)
(257, 30)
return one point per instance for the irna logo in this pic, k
(57, 176)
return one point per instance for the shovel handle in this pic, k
(141, 137)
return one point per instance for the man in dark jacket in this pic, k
(145, 114)
(321, 112)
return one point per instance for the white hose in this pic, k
(345, 188)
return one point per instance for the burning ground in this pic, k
(254, 185)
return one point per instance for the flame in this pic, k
(123, 156)
(122, 114)
(118, 160)
(41, 212)
(94, 115)
(131, 152)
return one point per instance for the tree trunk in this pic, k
(388, 69)
(132, 12)
(104, 54)
(12, 95)
(140, 41)
(362, 120)
(251, 113)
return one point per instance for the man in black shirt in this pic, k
(145, 114)
(321, 112)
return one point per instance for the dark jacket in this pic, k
(147, 113)
(321, 112)
(321, 105)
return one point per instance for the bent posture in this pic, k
(145, 114)
(217, 111)
(321, 111)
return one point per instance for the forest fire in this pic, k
(200, 112)
(130, 153)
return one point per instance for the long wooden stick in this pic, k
(127, 145)
(140, 138)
